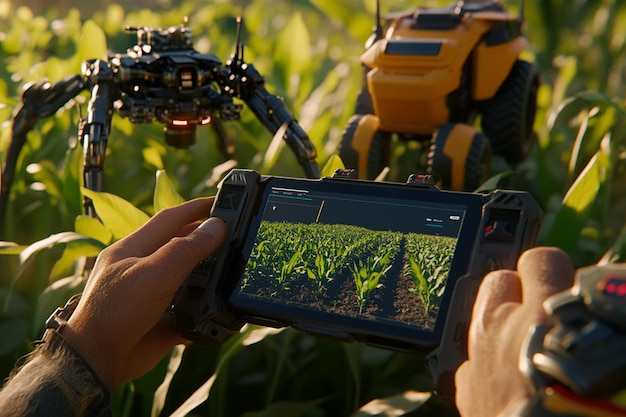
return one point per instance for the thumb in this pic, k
(544, 271)
(201, 243)
(498, 288)
(177, 258)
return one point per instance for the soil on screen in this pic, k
(393, 301)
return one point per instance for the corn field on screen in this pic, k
(350, 260)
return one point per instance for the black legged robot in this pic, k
(161, 78)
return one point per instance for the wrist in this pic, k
(63, 325)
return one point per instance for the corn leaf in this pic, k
(165, 193)
(578, 204)
(117, 214)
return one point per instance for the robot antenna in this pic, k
(379, 26)
(238, 57)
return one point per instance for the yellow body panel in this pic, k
(363, 136)
(410, 88)
(457, 148)
(411, 103)
(492, 65)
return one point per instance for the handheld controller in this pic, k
(391, 265)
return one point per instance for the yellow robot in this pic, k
(428, 74)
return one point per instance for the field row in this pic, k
(287, 258)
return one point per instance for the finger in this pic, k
(499, 288)
(175, 260)
(164, 225)
(544, 271)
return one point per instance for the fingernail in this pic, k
(213, 226)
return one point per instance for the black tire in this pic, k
(477, 160)
(378, 156)
(508, 117)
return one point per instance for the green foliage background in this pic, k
(308, 51)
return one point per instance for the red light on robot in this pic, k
(206, 121)
(613, 286)
(180, 122)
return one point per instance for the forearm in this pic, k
(55, 381)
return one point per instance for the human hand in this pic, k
(507, 304)
(120, 326)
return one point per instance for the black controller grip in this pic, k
(199, 307)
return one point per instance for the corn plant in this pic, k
(428, 259)
(329, 247)
(276, 258)
(368, 271)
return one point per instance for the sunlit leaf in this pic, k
(93, 42)
(229, 348)
(91, 227)
(172, 367)
(11, 248)
(395, 405)
(258, 333)
(165, 193)
(74, 252)
(62, 238)
(617, 252)
(333, 164)
(578, 204)
(153, 157)
(117, 214)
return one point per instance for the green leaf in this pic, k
(333, 164)
(91, 227)
(28, 255)
(353, 354)
(493, 182)
(52, 241)
(153, 157)
(172, 367)
(227, 351)
(93, 42)
(578, 204)
(11, 248)
(293, 49)
(256, 334)
(617, 252)
(117, 214)
(75, 250)
(55, 295)
(165, 193)
(395, 405)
